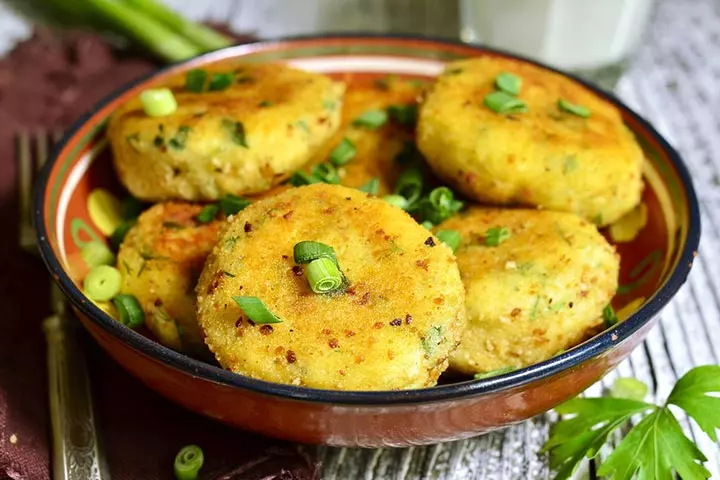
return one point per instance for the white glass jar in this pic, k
(569, 34)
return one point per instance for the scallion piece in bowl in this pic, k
(131, 314)
(158, 102)
(256, 310)
(324, 276)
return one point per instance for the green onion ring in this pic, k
(188, 462)
(324, 276)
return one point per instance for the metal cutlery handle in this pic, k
(75, 443)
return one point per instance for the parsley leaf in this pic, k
(690, 394)
(656, 448)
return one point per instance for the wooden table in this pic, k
(674, 81)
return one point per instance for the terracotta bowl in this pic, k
(654, 265)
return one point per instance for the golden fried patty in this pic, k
(540, 291)
(160, 260)
(377, 149)
(242, 140)
(545, 157)
(394, 326)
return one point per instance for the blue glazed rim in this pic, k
(517, 378)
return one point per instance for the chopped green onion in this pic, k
(102, 283)
(232, 204)
(629, 388)
(372, 119)
(372, 186)
(326, 173)
(188, 462)
(508, 83)
(439, 205)
(405, 115)
(256, 310)
(578, 110)
(496, 235)
(158, 102)
(180, 139)
(301, 178)
(307, 251)
(323, 275)
(451, 238)
(96, 253)
(118, 235)
(220, 81)
(195, 80)
(409, 155)
(610, 319)
(428, 225)
(410, 185)
(237, 132)
(131, 314)
(265, 103)
(343, 153)
(501, 102)
(494, 373)
(397, 201)
(208, 213)
(130, 208)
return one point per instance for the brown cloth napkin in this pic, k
(47, 83)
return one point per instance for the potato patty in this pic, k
(394, 326)
(244, 139)
(160, 260)
(377, 149)
(544, 157)
(540, 291)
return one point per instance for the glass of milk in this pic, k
(593, 38)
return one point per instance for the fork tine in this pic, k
(57, 136)
(41, 145)
(24, 175)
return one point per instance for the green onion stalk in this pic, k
(145, 23)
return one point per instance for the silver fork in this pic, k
(76, 452)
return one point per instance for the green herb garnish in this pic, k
(301, 178)
(256, 310)
(629, 388)
(508, 83)
(323, 275)
(195, 80)
(610, 319)
(439, 205)
(372, 119)
(236, 131)
(188, 463)
(343, 153)
(232, 204)
(405, 115)
(208, 213)
(501, 102)
(265, 103)
(220, 81)
(372, 186)
(496, 235)
(578, 110)
(410, 185)
(655, 448)
(180, 139)
(326, 173)
(451, 238)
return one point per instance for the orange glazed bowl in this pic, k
(653, 266)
